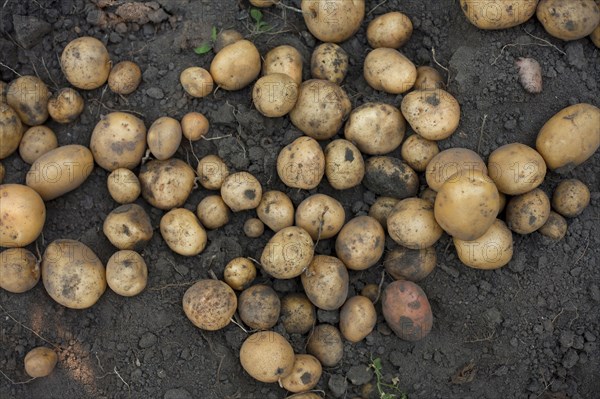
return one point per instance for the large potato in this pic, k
(11, 130)
(528, 212)
(375, 128)
(236, 65)
(126, 273)
(288, 253)
(284, 59)
(321, 216)
(516, 168)
(212, 171)
(164, 137)
(166, 184)
(329, 62)
(388, 70)
(433, 114)
(275, 95)
(390, 177)
(28, 96)
(325, 282)
(125, 77)
(37, 141)
(40, 362)
(344, 164)
(492, 250)
(267, 356)
(381, 208)
(305, 374)
(498, 14)
(298, 314)
(406, 310)
(333, 21)
(301, 164)
(196, 81)
(357, 318)
(412, 224)
(213, 212)
(241, 191)
(182, 232)
(23, 215)
(19, 270)
(326, 344)
(123, 186)
(128, 227)
(417, 152)
(276, 210)
(568, 20)
(66, 105)
(360, 243)
(259, 307)
(451, 162)
(570, 198)
(72, 274)
(85, 63)
(410, 264)
(209, 304)
(391, 30)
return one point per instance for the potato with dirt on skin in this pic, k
(321, 216)
(390, 177)
(301, 164)
(126, 273)
(326, 344)
(381, 209)
(496, 14)
(412, 224)
(375, 128)
(267, 356)
(433, 114)
(344, 164)
(391, 30)
(333, 21)
(125, 77)
(66, 105)
(225, 38)
(329, 62)
(241, 191)
(595, 36)
(209, 304)
(284, 59)
(417, 152)
(128, 227)
(305, 374)
(276, 210)
(325, 282)
(570, 198)
(516, 168)
(254, 228)
(288, 253)
(196, 81)
(568, 20)
(410, 264)
(428, 78)
(555, 227)
(86, 63)
(11, 130)
(275, 95)
(406, 310)
(37, 141)
(452, 162)
(239, 273)
(166, 184)
(370, 291)
(360, 243)
(123, 186)
(357, 318)
(194, 126)
(389, 70)
(213, 212)
(40, 362)
(164, 137)
(429, 195)
(212, 171)
(263, 3)
(3, 90)
(19, 270)
(236, 65)
(23, 215)
(259, 307)
(182, 232)
(305, 395)
(298, 314)
(28, 96)
(492, 250)
(528, 212)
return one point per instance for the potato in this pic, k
(194, 126)
(288, 253)
(528, 212)
(86, 63)
(254, 228)
(125, 77)
(11, 130)
(298, 314)
(19, 270)
(209, 304)
(570, 137)
(284, 59)
(412, 224)
(275, 95)
(388, 70)
(555, 228)
(321, 109)
(225, 38)
(164, 137)
(276, 210)
(23, 215)
(60, 170)
(213, 212)
(3, 90)
(433, 114)
(263, 3)
(37, 141)
(466, 205)
(568, 20)
(333, 21)
(492, 250)
(390, 177)
(428, 78)
(305, 374)
(516, 168)
(72, 274)
(429, 195)
(239, 273)
(344, 164)
(2, 172)
(267, 356)
(375, 128)
(196, 81)
(329, 62)
(381, 209)
(406, 310)
(305, 395)
(301, 164)
(502, 202)
(595, 36)
(40, 362)
(501, 14)
(570, 198)
(236, 65)
(259, 307)
(417, 152)
(391, 30)
(241, 191)
(451, 162)
(212, 171)
(325, 343)
(182, 232)
(357, 318)
(126, 273)
(321, 216)
(28, 96)
(118, 141)
(66, 105)
(325, 282)
(410, 264)
(360, 243)
(128, 227)
(371, 291)
(166, 184)
(123, 186)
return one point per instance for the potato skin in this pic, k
(433, 114)
(86, 63)
(412, 224)
(325, 282)
(492, 250)
(123, 186)
(388, 70)
(236, 65)
(325, 343)
(568, 20)
(166, 184)
(595, 36)
(344, 164)
(275, 95)
(516, 168)
(209, 304)
(288, 253)
(360, 243)
(212, 171)
(182, 232)
(305, 374)
(267, 356)
(555, 227)
(570, 198)
(11, 130)
(329, 62)
(239, 273)
(196, 81)
(301, 164)
(213, 212)
(28, 96)
(194, 126)
(407, 310)
(500, 14)
(528, 212)
(375, 128)
(381, 209)
(37, 141)
(2, 172)
(23, 215)
(321, 216)
(19, 270)
(298, 314)
(164, 137)
(284, 59)
(40, 362)
(276, 210)
(254, 228)
(347, 16)
(125, 77)
(241, 191)
(66, 105)
(357, 318)
(451, 161)
(391, 30)
(417, 152)
(225, 38)
(428, 78)
(126, 273)
(259, 307)
(128, 227)
(410, 264)
(390, 177)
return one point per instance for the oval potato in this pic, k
(333, 21)
(128, 227)
(267, 356)
(239, 273)
(528, 212)
(209, 304)
(329, 62)
(389, 70)
(406, 310)
(568, 20)
(66, 105)
(182, 232)
(433, 114)
(357, 318)
(123, 186)
(360, 243)
(305, 374)
(321, 216)
(451, 162)
(196, 81)
(298, 314)
(284, 59)
(516, 168)
(86, 63)
(213, 212)
(241, 191)
(212, 171)
(492, 250)
(301, 164)
(126, 273)
(570, 198)
(412, 224)
(11, 130)
(236, 65)
(390, 177)
(410, 264)
(428, 78)
(125, 77)
(19, 270)
(381, 209)
(23, 215)
(275, 95)
(28, 96)
(390, 30)
(344, 164)
(555, 227)
(276, 210)
(496, 14)
(375, 128)
(164, 137)
(37, 141)
(325, 282)
(288, 253)
(40, 362)
(417, 152)
(326, 344)
(259, 307)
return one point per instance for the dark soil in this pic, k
(528, 330)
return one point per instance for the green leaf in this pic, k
(263, 26)
(256, 14)
(377, 364)
(213, 34)
(203, 49)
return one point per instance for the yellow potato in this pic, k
(325, 282)
(570, 198)
(126, 273)
(344, 164)
(451, 162)
(410, 264)
(357, 318)
(329, 62)
(2, 172)
(3, 89)
(40, 362)
(428, 78)
(492, 250)
(498, 14)
(528, 212)
(11, 130)
(259, 307)
(128, 227)
(412, 224)
(267, 356)
(239, 273)
(288, 253)
(381, 209)
(166, 184)
(321, 216)
(417, 152)
(595, 36)
(305, 374)
(19, 270)
(182, 232)
(66, 105)
(37, 141)
(28, 96)
(298, 314)
(23, 215)
(516, 168)
(555, 228)
(371, 291)
(276, 210)
(325, 343)
(86, 63)
(360, 243)
(241, 191)
(212, 171)
(254, 228)
(433, 114)
(568, 20)
(123, 186)
(196, 81)
(275, 95)
(236, 65)
(391, 30)
(164, 137)
(209, 304)
(284, 59)
(388, 70)
(194, 126)
(125, 77)
(301, 164)
(390, 177)
(213, 212)
(333, 21)
(375, 128)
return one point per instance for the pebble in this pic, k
(147, 340)
(566, 339)
(359, 374)
(397, 358)
(328, 316)
(570, 359)
(155, 93)
(337, 385)
(177, 393)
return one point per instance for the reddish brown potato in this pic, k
(410, 264)
(259, 307)
(407, 310)
(360, 243)
(209, 304)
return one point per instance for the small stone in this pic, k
(328, 316)
(147, 340)
(177, 393)
(337, 385)
(511, 124)
(578, 342)
(566, 339)
(590, 337)
(359, 374)
(575, 55)
(493, 316)
(502, 370)
(114, 37)
(155, 93)
(29, 30)
(570, 359)
(397, 358)
(136, 375)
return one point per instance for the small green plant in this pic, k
(207, 46)
(396, 393)
(259, 24)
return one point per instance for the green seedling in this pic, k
(259, 24)
(208, 46)
(395, 393)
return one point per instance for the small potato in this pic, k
(254, 228)
(164, 137)
(568, 20)
(357, 318)
(212, 171)
(275, 95)
(360, 243)
(128, 227)
(284, 59)
(19, 270)
(410, 264)
(66, 105)
(433, 114)
(453, 162)
(344, 164)
(225, 38)
(40, 362)
(123, 186)
(429, 195)
(528, 212)
(305, 374)
(388, 70)
(329, 62)
(412, 224)
(595, 36)
(241, 191)
(390, 177)
(194, 126)
(325, 343)
(86, 63)
(267, 356)
(406, 310)
(428, 78)
(375, 128)
(23, 215)
(125, 77)
(492, 250)
(197, 82)
(370, 291)
(333, 21)
(570, 198)
(236, 65)
(28, 96)
(259, 307)
(555, 228)
(209, 304)
(516, 168)
(321, 216)
(11, 130)
(126, 273)
(325, 282)
(501, 14)
(166, 184)
(37, 141)
(213, 212)
(417, 152)
(182, 232)
(298, 314)
(301, 164)
(276, 210)
(239, 273)
(321, 109)
(381, 209)
(2, 172)
(391, 30)
(288, 253)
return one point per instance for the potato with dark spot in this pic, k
(570, 198)
(298, 314)
(209, 304)
(164, 137)
(516, 168)
(239, 273)
(126, 273)
(492, 250)
(182, 232)
(412, 224)
(267, 356)
(450, 162)
(128, 227)
(344, 164)
(197, 82)
(325, 282)
(417, 152)
(37, 141)
(275, 95)
(86, 63)
(166, 184)
(276, 210)
(555, 227)
(22, 217)
(28, 96)
(194, 126)
(568, 20)
(254, 228)
(388, 70)
(428, 78)
(391, 30)
(321, 216)
(326, 344)
(66, 105)
(381, 209)
(284, 59)
(19, 270)
(301, 164)
(360, 243)
(259, 307)
(225, 38)
(123, 186)
(410, 264)
(288, 253)
(406, 310)
(357, 318)
(125, 77)
(375, 128)
(333, 21)
(241, 191)
(213, 212)
(236, 65)
(528, 212)
(433, 114)
(305, 374)
(11, 130)
(499, 14)
(390, 177)
(329, 62)
(40, 362)
(212, 171)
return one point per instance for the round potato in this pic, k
(360, 243)
(406, 310)
(213, 212)
(325, 282)
(225, 38)
(212, 171)
(194, 126)
(236, 65)
(66, 105)
(516, 168)
(357, 318)
(239, 273)
(126, 273)
(23, 215)
(86, 63)
(275, 95)
(417, 152)
(433, 114)
(284, 59)
(381, 209)
(125, 77)
(267, 356)
(254, 228)
(259, 307)
(241, 191)
(391, 30)
(388, 70)
(2, 172)
(568, 20)
(410, 264)
(501, 14)
(128, 227)
(19, 270)
(40, 362)
(288, 253)
(329, 62)
(276, 210)
(123, 186)
(430, 195)
(344, 164)
(390, 177)
(196, 81)
(453, 162)
(321, 216)
(164, 137)
(11, 130)
(305, 374)
(209, 304)
(301, 164)
(428, 78)
(182, 232)
(298, 314)
(37, 141)
(375, 128)
(570, 198)
(412, 224)
(333, 21)
(492, 250)
(72, 274)
(371, 291)
(528, 212)
(28, 96)
(166, 184)
(555, 228)
(325, 343)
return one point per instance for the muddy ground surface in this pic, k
(528, 330)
